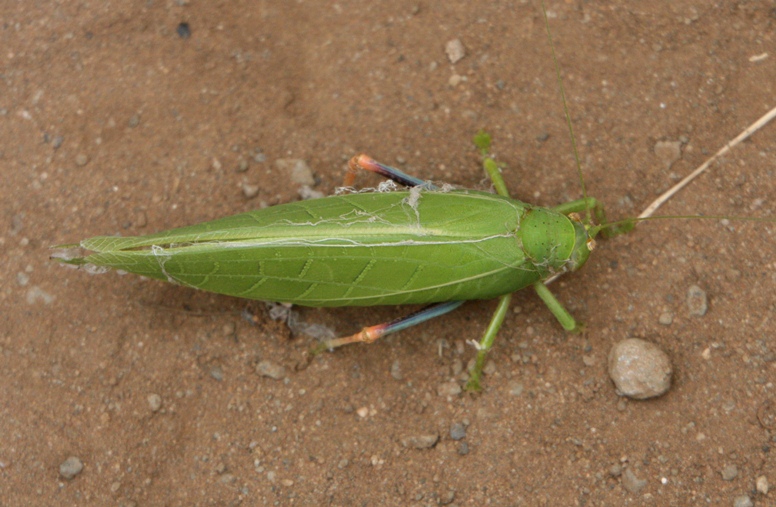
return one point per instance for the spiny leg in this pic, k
(371, 334)
(487, 342)
(497, 319)
(365, 163)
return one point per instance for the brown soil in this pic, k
(112, 123)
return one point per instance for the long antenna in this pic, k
(566, 112)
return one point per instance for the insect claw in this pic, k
(579, 328)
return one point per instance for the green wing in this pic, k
(349, 250)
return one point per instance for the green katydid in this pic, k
(423, 246)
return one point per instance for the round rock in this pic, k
(743, 501)
(640, 369)
(71, 467)
(457, 431)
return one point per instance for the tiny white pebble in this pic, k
(762, 485)
(455, 50)
(155, 402)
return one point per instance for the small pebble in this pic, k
(449, 389)
(639, 369)
(454, 80)
(463, 448)
(697, 301)
(22, 279)
(271, 370)
(457, 431)
(631, 482)
(155, 402)
(306, 193)
(57, 142)
(455, 50)
(242, 166)
(71, 467)
(217, 373)
(762, 485)
(420, 441)
(447, 498)
(729, 473)
(515, 388)
(615, 470)
(81, 159)
(666, 318)
(743, 501)
(296, 170)
(183, 30)
(396, 371)
(668, 152)
(250, 191)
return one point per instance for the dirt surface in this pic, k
(114, 119)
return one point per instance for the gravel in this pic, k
(697, 301)
(449, 389)
(271, 370)
(631, 482)
(729, 473)
(426, 441)
(743, 501)
(296, 170)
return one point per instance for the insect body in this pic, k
(360, 250)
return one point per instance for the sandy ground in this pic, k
(114, 120)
